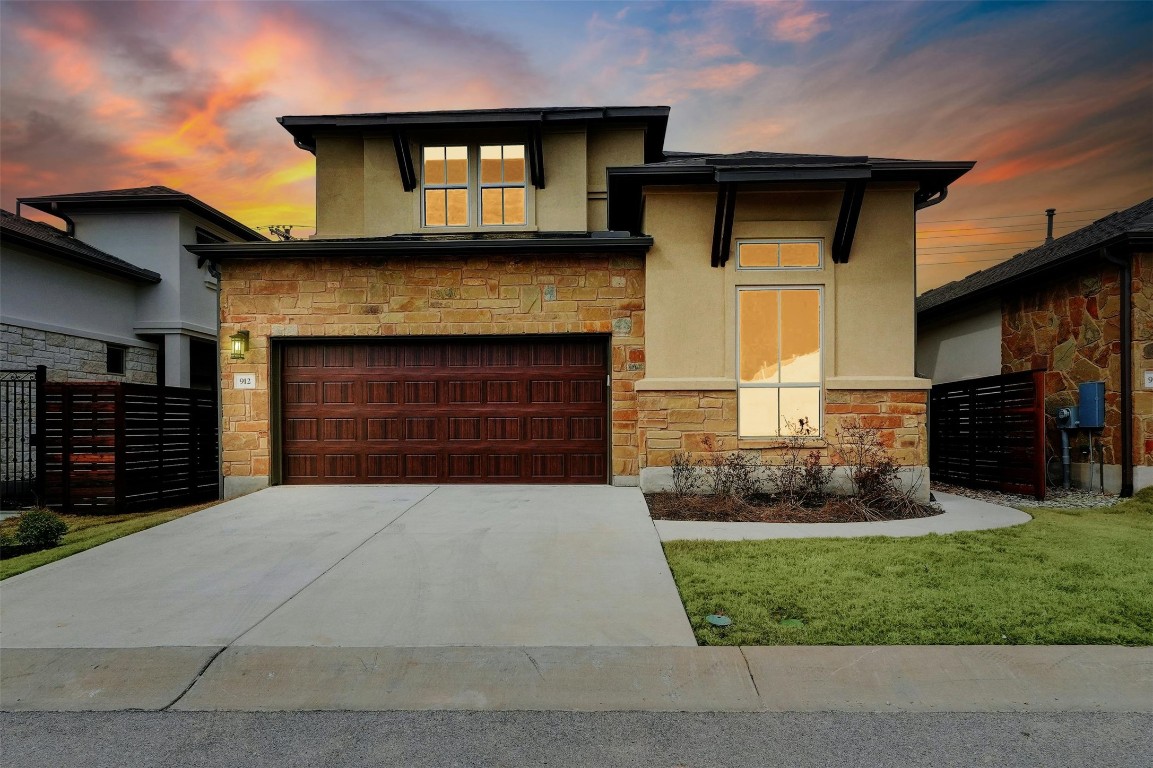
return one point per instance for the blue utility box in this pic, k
(1091, 405)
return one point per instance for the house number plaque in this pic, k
(1148, 379)
(244, 381)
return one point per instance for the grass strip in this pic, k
(1071, 576)
(88, 531)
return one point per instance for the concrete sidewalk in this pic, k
(718, 679)
(961, 514)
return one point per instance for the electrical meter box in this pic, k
(1091, 407)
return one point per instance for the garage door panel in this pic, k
(458, 411)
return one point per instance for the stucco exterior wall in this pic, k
(308, 298)
(359, 191)
(963, 346)
(868, 314)
(57, 297)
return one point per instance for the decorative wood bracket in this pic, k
(847, 221)
(723, 223)
(536, 156)
(404, 160)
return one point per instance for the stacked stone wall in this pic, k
(303, 298)
(72, 358)
(1070, 326)
(1142, 358)
(690, 422)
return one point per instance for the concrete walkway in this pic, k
(961, 514)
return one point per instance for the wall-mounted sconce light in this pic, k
(239, 342)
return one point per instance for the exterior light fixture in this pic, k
(239, 341)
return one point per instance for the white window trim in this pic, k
(473, 189)
(779, 241)
(820, 382)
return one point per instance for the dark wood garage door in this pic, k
(530, 410)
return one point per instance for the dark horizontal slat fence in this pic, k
(990, 433)
(114, 447)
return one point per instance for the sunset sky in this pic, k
(1053, 100)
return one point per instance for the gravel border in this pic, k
(1055, 498)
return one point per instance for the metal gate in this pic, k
(21, 410)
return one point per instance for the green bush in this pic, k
(40, 529)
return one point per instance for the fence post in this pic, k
(41, 488)
(1040, 480)
(119, 445)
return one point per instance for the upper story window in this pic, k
(484, 183)
(779, 254)
(446, 186)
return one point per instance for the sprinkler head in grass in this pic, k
(718, 619)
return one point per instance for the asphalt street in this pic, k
(574, 740)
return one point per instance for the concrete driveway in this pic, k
(366, 566)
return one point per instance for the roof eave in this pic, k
(1132, 239)
(415, 248)
(53, 205)
(132, 272)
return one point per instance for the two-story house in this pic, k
(548, 296)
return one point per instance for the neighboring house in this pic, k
(115, 297)
(1080, 307)
(546, 295)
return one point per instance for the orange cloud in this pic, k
(792, 22)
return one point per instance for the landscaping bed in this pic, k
(765, 508)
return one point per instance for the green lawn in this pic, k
(86, 532)
(1069, 576)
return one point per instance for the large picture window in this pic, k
(778, 361)
(463, 185)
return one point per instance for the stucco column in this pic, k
(177, 360)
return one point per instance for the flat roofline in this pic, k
(85, 202)
(304, 127)
(401, 246)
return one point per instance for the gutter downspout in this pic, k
(1126, 267)
(70, 226)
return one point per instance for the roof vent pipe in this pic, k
(1049, 233)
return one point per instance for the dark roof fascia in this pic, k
(1134, 240)
(93, 203)
(304, 127)
(404, 247)
(12, 237)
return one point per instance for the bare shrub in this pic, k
(686, 474)
(874, 473)
(801, 477)
(736, 475)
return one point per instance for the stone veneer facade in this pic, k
(1070, 326)
(340, 297)
(72, 358)
(670, 422)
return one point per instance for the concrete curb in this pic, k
(720, 679)
(97, 679)
(961, 514)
